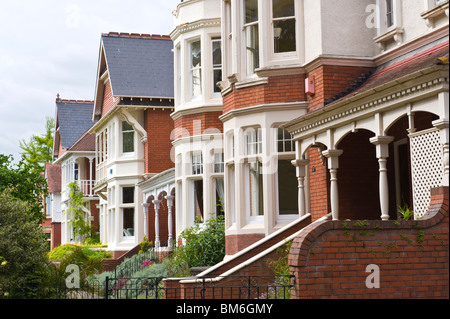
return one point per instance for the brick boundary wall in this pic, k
(329, 258)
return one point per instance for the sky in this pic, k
(52, 46)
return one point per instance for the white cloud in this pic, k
(51, 46)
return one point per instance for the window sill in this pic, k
(430, 15)
(394, 33)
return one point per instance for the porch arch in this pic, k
(358, 177)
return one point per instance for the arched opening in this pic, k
(358, 177)
(400, 162)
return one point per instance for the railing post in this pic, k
(106, 287)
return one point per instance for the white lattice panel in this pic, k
(427, 168)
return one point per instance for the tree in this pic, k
(25, 183)
(23, 248)
(39, 150)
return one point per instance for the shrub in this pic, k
(205, 244)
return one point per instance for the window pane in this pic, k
(255, 191)
(283, 8)
(217, 53)
(284, 35)
(287, 188)
(128, 142)
(196, 74)
(128, 195)
(251, 11)
(196, 56)
(252, 44)
(126, 126)
(128, 222)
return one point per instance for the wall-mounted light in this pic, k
(313, 169)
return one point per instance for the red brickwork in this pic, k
(330, 80)
(318, 185)
(283, 88)
(197, 124)
(329, 258)
(158, 125)
(108, 99)
(236, 243)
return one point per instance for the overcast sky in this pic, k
(51, 46)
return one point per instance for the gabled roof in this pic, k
(73, 119)
(139, 65)
(84, 144)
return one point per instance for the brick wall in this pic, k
(332, 80)
(159, 126)
(197, 124)
(283, 88)
(318, 185)
(236, 243)
(108, 99)
(329, 258)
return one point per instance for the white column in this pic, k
(333, 166)
(156, 204)
(443, 126)
(169, 218)
(301, 173)
(382, 148)
(146, 205)
(91, 182)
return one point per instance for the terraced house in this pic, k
(132, 106)
(303, 121)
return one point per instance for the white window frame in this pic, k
(196, 163)
(253, 141)
(287, 137)
(122, 132)
(219, 162)
(193, 69)
(250, 71)
(124, 206)
(272, 32)
(216, 67)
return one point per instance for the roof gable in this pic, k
(74, 118)
(139, 66)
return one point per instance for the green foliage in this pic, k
(23, 248)
(146, 245)
(280, 268)
(405, 212)
(81, 227)
(24, 183)
(205, 244)
(38, 150)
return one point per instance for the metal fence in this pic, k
(229, 287)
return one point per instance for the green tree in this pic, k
(26, 184)
(39, 149)
(23, 249)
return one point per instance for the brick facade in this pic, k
(197, 124)
(329, 258)
(279, 89)
(159, 125)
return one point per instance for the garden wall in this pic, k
(375, 259)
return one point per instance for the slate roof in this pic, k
(74, 118)
(139, 65)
